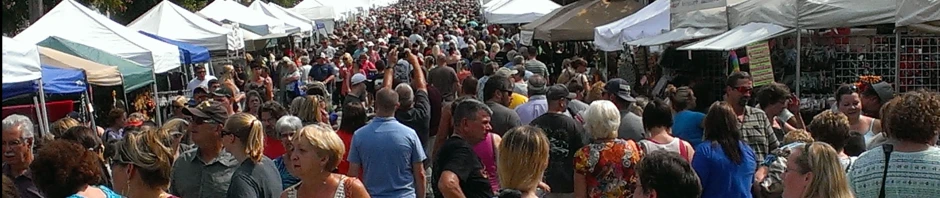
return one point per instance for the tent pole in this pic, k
(799, 54)
(156, 97)
(38, 117)
(44, 115)
(88, 105)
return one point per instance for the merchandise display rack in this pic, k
(919, 65)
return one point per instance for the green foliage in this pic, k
(191, 5)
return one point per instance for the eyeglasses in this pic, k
(14, 143)
(743, 89)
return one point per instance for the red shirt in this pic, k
(273, 148)
(347, 140)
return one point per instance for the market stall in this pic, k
(171, 21)
(230, 11)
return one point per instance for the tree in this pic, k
(16, 12)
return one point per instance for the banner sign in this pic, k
(761, 69)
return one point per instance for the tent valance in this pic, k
(135, 75)
(54, 81)
(171, 21)
(98, 74)
(20, 61)
(650, 21)
(681, 34)
(739, 37)
(226, 10)
(190, 54)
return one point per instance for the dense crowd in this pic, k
(423, 99)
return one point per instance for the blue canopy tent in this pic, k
(189, 53)
(55, 81)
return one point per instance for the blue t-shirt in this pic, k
(720, 176)
(386, 151)
(688, 126)
(320, 72)
(287, 180)
(108, 193)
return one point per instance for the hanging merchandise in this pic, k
(733, 60)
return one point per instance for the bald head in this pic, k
(386, 101)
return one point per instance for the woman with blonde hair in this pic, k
(494, 49)
(688, 123)
(313, 110)
(227, 80)
(59, 127)
(605, 168)
(814, 171)
(523, 158)
(256, 176)
(317, 150)
(142, 164)
(177, 129)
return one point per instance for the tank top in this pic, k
(870, 133)
(340, 189)
(486, 151)
(676, 145)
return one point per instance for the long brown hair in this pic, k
(721, 127)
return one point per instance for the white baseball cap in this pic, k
(357, 78)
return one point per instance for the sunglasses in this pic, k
(743, 89)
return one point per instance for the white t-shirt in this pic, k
(304, 72)
(195, 82)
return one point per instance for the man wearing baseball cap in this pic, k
(619, 92)
(207, 170)
(357, 89)
(564, 133)
(225, 96)
(874, 97)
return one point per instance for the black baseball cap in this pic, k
(208, 110)
(884, 90)
(558, 92)
(621, 88)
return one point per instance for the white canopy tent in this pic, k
(263, 8)
(225, 10)
(519, 11)
(680, 34)
(923, 15)
(739, 37)
(314, 10)
(75, 22)
(171, 21)
(20, 61)
(493, 4)
(814, 14)
(322, 21)
(650, 21)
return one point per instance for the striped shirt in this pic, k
(910, 174)
(537, 67)
(756, 131)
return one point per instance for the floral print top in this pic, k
(608, 167)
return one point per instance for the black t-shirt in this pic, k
(350, 98)
(260, 180)
(457, 156)
(501, 58)
(564, 134)
(418, 117)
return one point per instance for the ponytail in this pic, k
(254, 145)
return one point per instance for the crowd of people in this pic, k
(422, 99)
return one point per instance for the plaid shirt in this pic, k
(757, 132)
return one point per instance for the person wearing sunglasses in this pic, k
(255, 176)
(753, 123)
(141, 165)
(204, 172)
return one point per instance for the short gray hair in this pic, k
(406, 94)
(288, 123)
(602, 119)
(518, 59)
(19, 122)
(467, 109)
